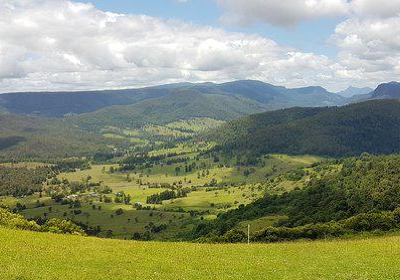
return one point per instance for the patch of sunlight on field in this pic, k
(214, 200)
(302, 159)
(113, 136)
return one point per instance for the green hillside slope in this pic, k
(354, 195)
(30, 255)
(372, 127)
(33, 137)
(181, 105)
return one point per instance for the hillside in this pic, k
(180, 106)
(257, 95)
(33, 137)
(389, 90)
(57, 104)
(26, 255)
(349, 189)
(372, 126)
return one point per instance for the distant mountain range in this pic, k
(354, 91)
(240, 97)
(389, 90)
(166, 103)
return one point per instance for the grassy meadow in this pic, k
(31, 255)
(241, 188)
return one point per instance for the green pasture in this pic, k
(31, 255)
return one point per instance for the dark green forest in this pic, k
(372, 127)
(23, 137)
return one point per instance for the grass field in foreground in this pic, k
(31, 255)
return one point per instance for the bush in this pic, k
(62, 226)
(17, 221)
(374, 221)
(311, 231)
(234, 236)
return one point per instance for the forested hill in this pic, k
(372, 126)
(34, 137)
(179, 106)
(365, 184)
(252, 94)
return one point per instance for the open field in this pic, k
(171, 214)
(159, 134)
(29, 255)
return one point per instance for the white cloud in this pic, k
(63, 45)
(369, 41)
(374, 8)
(281, 13)
(291, 12)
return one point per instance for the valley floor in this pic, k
(32, 255)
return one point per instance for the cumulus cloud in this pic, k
(65, 45)
(382, 8)
(59, 45)
(291, 12)
(370, 47)
(281, 13)
(368, 39)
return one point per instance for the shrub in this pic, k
(17, 221)
(62, 226)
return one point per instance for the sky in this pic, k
(54, 45)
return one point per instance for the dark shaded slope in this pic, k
(24, 137)
(58, 104)
(387, 91)
(383, 91)
(372, 126)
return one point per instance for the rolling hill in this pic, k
(372, 126)
(35, 137)
(183, 104)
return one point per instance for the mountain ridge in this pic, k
(59, 104)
